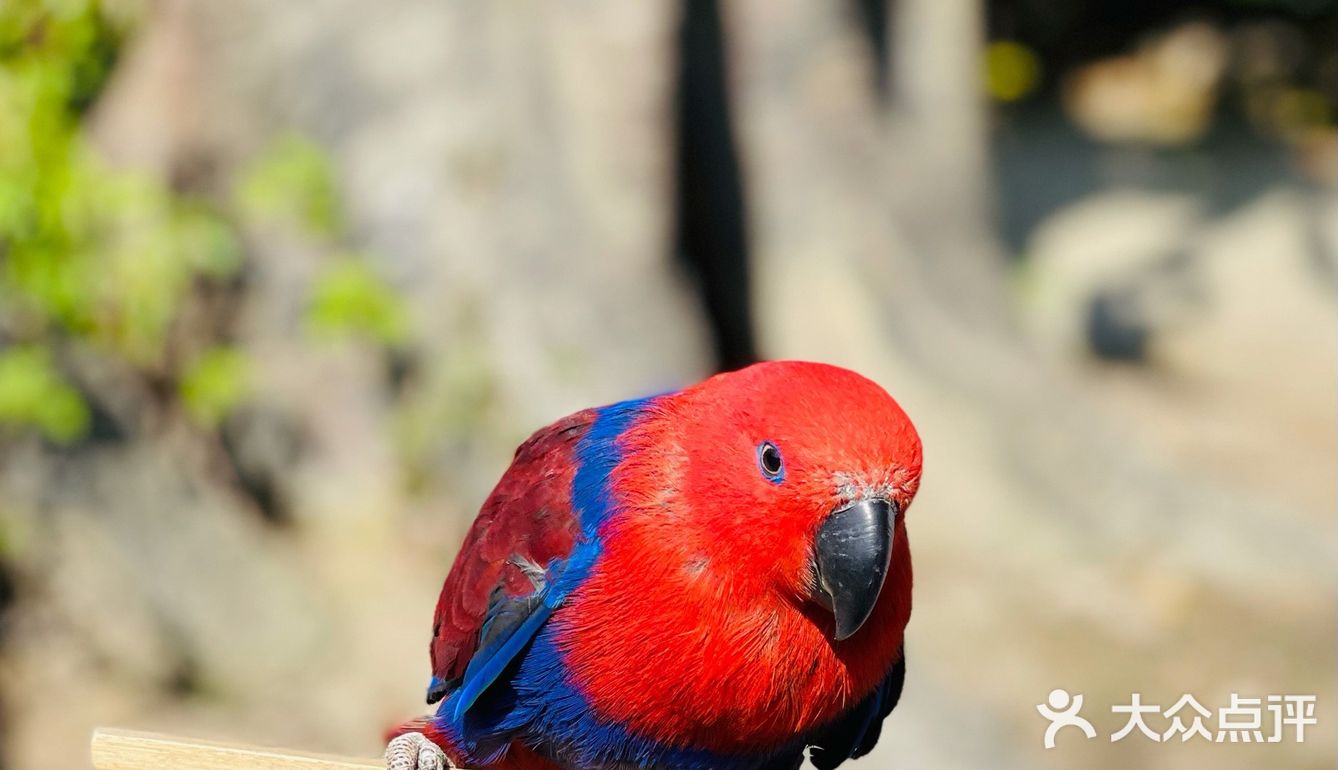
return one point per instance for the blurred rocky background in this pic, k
(283, 284)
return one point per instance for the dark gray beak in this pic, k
(854, 546)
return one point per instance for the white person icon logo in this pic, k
(1062, 711)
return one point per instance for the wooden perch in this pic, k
(127, 750)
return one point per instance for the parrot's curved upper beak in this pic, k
(852, 552)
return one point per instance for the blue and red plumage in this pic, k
(641, 589)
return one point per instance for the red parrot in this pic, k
(716, 578)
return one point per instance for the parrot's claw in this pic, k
(413, 751)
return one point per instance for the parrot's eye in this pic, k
(769, 460)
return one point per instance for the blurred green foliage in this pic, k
(32, 395)
(350, 301)
(215, 383)
(107, 260)
(90, 254)
(110, 262)
(292, 181)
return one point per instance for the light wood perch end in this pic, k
(114, 749)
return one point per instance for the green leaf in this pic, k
(215, 384)
(33, 395)
(292, 181)
(349, 300)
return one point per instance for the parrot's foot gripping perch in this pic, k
(414, 751)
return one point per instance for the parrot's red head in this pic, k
(799, 474)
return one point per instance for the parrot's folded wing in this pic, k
(498, 593)
(510, 625)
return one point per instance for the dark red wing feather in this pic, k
(528, 517)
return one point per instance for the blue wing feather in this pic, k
(488, 664)
(510, 625)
